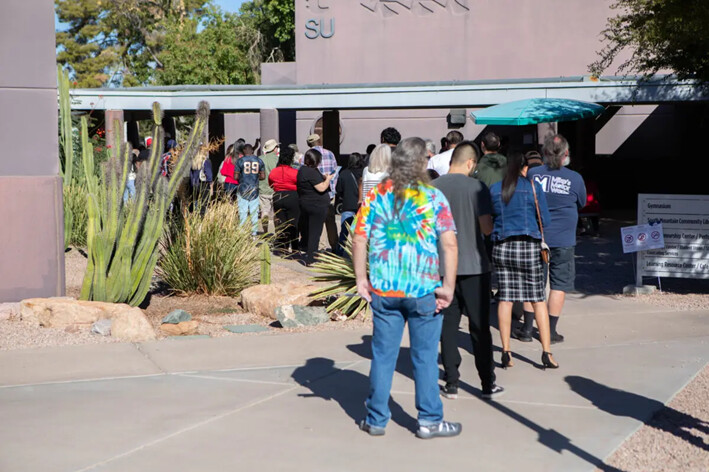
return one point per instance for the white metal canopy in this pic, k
(387, 96)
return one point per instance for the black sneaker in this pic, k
(556, 338)
(444, 429)
(493, 392)
(522, 335)
(449, 391)
(372, 430)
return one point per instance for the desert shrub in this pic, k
(77, 214)
(211, 254)
(338, 271)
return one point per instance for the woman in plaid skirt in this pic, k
(516, 254)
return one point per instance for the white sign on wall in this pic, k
(685, 223)
(642, 237)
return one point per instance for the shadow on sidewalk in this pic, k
(651, 412)
(547, 437)
(347, 387)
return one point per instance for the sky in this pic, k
(226, 5)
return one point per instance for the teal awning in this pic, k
(536, 110)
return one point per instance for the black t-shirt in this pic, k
(306, 181)
(348, 188)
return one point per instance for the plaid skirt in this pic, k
(519, 268)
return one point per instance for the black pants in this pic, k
(312, 219)
(286, 206)
(331, 227)
(472, 297)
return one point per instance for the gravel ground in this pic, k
(211, 311)
(675, 439)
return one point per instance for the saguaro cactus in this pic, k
(123, 238)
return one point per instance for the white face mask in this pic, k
(567, 161)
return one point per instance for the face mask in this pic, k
(567, 161)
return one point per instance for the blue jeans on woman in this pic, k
(390, 316)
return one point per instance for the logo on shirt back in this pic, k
(552, 184)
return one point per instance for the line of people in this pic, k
(430, 250)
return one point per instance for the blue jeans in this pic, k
(347, 217)
(246, 208)
(390, 316)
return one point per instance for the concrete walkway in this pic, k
(290, 402)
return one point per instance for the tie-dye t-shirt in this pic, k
(403, 249)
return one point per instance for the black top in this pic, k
(348, 188)
(306, 181)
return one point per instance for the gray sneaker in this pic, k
(372, 430)
(444, 429)
(493, 392)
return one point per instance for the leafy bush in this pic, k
(211, 254)
(77, 213)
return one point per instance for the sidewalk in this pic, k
(290, 402)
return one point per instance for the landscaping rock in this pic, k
(132, 326)
(293, 316)
(63, 312)
(183, 328)
(177, 316)
(102, 327)
(248, 328)
(264, 299)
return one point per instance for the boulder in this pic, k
(63, 312)
(132, 326)
(183, 328)
(264, 299)
(177, 316)
(102, 327)
(293, 316)
(127, 323)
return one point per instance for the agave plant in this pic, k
(339, 271)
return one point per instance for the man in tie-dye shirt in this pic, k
(399, 226)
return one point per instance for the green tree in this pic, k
(211, 48)
(274, 20)
(658, 35)
(86, 45)
(116, 41)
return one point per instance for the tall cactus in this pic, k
(67, 143)
(123, 238)
(65, 125)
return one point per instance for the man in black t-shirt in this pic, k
(470, 204)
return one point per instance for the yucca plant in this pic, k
(339, 272)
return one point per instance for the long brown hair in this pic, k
(515, 163)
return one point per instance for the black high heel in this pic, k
(506, 359)
(546, 361)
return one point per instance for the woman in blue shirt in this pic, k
(517, 252)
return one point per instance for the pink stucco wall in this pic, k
(423, 40)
